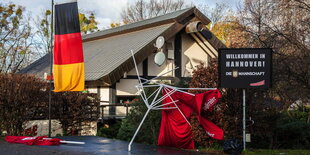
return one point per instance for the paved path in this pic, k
(93, 145)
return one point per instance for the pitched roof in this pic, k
(117, 50)
(107, 53)
(102, 56)
(39, 67)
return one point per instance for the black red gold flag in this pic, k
(68, 51)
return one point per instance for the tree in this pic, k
(43, 25)
(224, 23)
(283, 26)
(88, 25)
(15, 38)
(220, 13)
(143, 9)
(115, 24)
(43, 34)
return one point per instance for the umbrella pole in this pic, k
(65, 141)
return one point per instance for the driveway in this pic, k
(93, 145)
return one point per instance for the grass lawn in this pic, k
(260, 152)
(277, 152)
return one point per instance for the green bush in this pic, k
(279, 131)
(292, 133)
(302, 113)
(126, 130)
(74, 109)
(150, 128)
(21, 97)
(111, 130)
(24, 98)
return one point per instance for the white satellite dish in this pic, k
(159, 58)
(160, 42)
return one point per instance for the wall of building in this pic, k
(40, 128)
(92, 90)
(103, 91)
(127, 87)
(89, 129)
(133, 71)
(104, 97)
(155, 70)
(192, 56)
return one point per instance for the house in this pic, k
(109, 67)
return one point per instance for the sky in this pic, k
(106, 11)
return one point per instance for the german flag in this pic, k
(68, 50)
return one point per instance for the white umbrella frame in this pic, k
(153, 105)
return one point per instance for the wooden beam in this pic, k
(203, 46)
(145, 68)
(206, 42)
(178, 54)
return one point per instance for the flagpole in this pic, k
(51, 73)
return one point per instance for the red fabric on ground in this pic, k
(32, 140)
(174, 129)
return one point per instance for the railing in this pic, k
(114, 113)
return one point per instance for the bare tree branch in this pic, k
(143, 9)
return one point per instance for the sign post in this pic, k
(244, 120)
(245, 68)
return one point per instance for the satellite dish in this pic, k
(159, 58)
(160, 42)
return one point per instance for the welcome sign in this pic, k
(245, 68)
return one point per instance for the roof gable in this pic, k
(159, 20)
